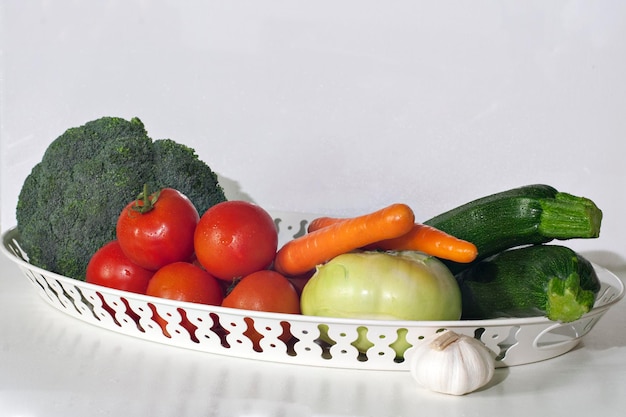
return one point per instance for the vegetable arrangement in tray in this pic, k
(109, 205)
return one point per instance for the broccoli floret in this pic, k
(69, 204)
(186, 173)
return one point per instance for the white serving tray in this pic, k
(221, 330)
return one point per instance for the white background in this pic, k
(336, 107)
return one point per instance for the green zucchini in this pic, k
(538, 280)
(532, 214)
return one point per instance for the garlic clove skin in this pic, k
(452, 364)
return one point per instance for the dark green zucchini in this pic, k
(538, 280)
(526, 215)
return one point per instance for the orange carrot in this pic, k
(306, 252)
(320, 222)
(432, 241)
(421, 238)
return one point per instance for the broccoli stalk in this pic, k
(69, 204)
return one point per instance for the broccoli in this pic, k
(69, 203)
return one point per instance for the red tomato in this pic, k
(183, 281)
(161, 235)
(109, 267)
(234, 239)
(264, 291)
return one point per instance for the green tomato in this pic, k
(383, 285)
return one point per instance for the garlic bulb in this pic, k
(451, 363)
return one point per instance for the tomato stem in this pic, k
(145, 201)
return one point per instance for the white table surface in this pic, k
(54, 365)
